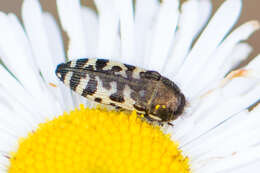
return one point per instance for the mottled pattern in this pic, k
(99, 100)
(124, 86)
(91, 87)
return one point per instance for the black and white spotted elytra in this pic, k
(124, 86)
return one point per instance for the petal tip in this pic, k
(255, 24)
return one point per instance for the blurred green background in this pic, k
(250, 12)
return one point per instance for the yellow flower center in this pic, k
(97, 141)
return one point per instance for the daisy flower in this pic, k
(46, 128)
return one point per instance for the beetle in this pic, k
(124, 86)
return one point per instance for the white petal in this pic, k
(217, 106)
(108, 38)
(239, 54)
(91, 29)
(187, 30)
(253, 67)
(71, 19)
(17, 51)
(208, 142)
(4, 162)
(194, 17)
(231, 161)
(8, 142)
(205, 10)
(223, 111)
(33, 22)
(13, 123)
(58, 55)
(34, 25)
(20, 61)
(220, 56)
(125, 10)
(218, 27)
(55, 42)
(145, 13)
(164, 32)
(12, 87)
(28, 118)
(251, 167)
(237, 133)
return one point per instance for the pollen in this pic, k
(52, 85)
(97, 141)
